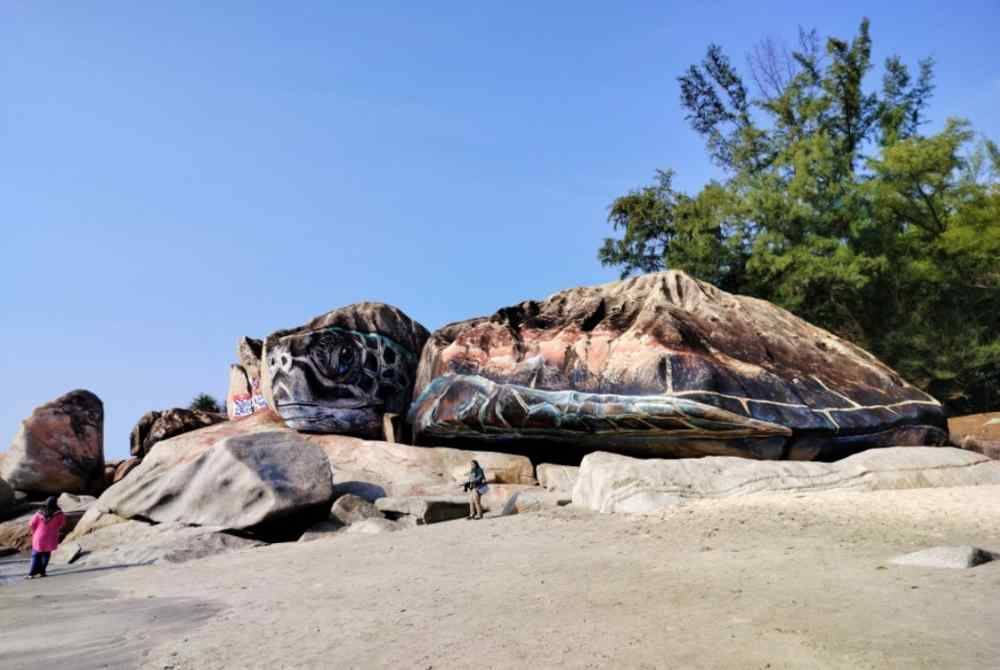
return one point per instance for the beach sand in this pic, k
(776, 581)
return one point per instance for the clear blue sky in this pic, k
(173, 175)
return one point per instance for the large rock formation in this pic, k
(663, 365)
(616, 483)
(343, 371)
(156, 425)
(237, 482)
(59, 448)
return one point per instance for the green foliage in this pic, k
(205, 403)
(835, 205)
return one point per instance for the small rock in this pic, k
(374, 526)
(425, 510)
(321, 530)
(959, 557)
(348, 509)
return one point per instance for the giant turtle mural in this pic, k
(663, 365)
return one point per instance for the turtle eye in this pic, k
(345, 359)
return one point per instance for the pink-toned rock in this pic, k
(977, 432)
(59, 448)
(125, 467)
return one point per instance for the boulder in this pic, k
(140, 543)
(322, 530)
(348, 509)
(425, 510)
(59, 448)
(234, 482)
(343, 371)
(374, 527)
(662, 365)
(91, 520)
(557, 478)
(616, 483)
(156, 426)
(960, 557)
(398, 469)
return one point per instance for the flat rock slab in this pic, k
(322, 530)
(560, 478)
(615, 483)
(375, 527)
(139, 543)
(957, 557)
(424, 509)
(537, 500)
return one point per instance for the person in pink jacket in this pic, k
(45, 527)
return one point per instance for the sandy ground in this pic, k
(761, 582)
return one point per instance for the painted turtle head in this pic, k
(334, 380)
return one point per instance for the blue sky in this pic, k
(174, 176)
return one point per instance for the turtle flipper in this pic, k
(469, 405)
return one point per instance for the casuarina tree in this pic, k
(835, 201)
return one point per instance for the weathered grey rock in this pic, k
(236, 482)
(156, 426)
(424, 510)
(524, 502)
(140, 543)
(959, 557)
(74, 504)
(557, 478)
(91, 520)
(615, 483)
(59, 448)
(69, 552)
(663, 365)
(348, 509)
(341, 372)
(374, 527)
(322, 530)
